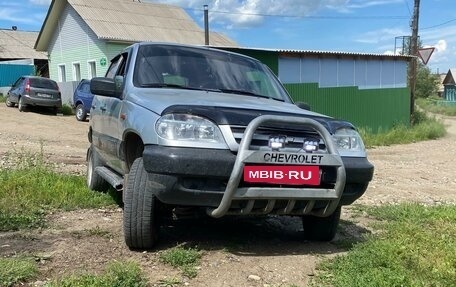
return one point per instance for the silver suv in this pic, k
(182, 127)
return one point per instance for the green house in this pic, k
(449, 84)
(81, 36)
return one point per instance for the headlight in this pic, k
(349, 143)
(185, 129)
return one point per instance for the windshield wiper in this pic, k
(248, 93)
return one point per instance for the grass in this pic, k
(32, 189)
(425, 128)
(2, 98)
(186, 259)
(117, 274)
(14, 271)
(434, 105)
(415, 247)
(66, 110)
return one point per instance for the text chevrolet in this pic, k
(181, 128)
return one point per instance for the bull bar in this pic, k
(271, 194)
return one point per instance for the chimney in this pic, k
(206, 25)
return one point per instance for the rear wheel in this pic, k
(9, 103)
(321, 228)
(140, 217)
(21, 106)
(81, 114)
(94, 180)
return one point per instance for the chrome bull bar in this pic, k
(271, 194)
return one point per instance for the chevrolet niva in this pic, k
(178, 127)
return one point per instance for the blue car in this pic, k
(82, 100)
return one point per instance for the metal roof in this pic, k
(319, 53)
(450, 77)
(16, 44)
(131, 21)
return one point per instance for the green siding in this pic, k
(83, 54)
(269, 58)
(374, 109)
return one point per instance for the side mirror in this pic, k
(107, 87)
(303, 105)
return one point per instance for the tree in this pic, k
(427, 84)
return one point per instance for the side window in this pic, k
(17, 83)
(85, 88)
(113, 67)
(118, 66)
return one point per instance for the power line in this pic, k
(393, 17)
(408, 7)
(438, 25)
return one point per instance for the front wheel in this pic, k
(140, 216)
(321, 228)
(81, 114)
(9, 103)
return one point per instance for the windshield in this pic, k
(168, 66)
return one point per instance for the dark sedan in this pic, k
(34, 91)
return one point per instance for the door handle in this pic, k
(103, 108)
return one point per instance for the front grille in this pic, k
(295, 137)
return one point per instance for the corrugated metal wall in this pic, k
(266, 57)
(9, 73)
(374, 109)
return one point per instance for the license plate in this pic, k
(44, 95)
(281, 174)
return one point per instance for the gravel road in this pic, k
(266, 252)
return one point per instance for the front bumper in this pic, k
(203, 177)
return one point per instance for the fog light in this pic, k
(277, 142)
(310, 145)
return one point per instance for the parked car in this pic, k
(181, 129)
(82, 100)
(34, 91)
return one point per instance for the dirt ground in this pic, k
(265, 252)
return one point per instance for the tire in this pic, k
(140, 220)
(81, 114)
(321, 228)
(9, 103)
(94, 181)
(21, 106)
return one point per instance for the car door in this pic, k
(105, 112)
(15, 90)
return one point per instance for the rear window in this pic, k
(43, 83)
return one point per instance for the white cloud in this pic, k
(12, 14)
(40, 2)
(247, 13)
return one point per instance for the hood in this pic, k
(158, 100)
(225, 109)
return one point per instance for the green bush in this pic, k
(67, 110)
(424, 128)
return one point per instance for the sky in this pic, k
(364, 26)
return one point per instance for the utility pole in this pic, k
(414, 52)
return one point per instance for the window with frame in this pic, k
(62, 73)
(76, 72)
(92, 69)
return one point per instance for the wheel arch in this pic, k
(133, 147)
